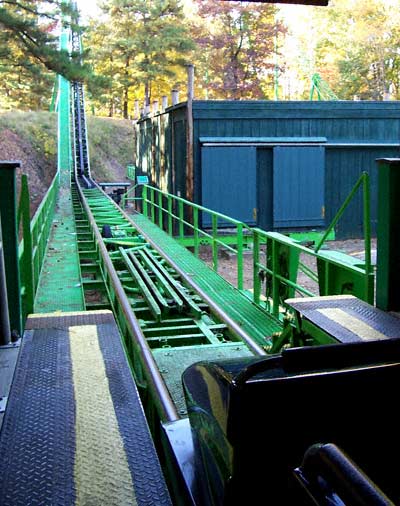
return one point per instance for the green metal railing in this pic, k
(363, 181)
(276, 257)
(337, 273)
(35, 234)
(180, 218)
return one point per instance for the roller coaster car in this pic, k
(252, 421)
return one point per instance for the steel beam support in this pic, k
(9, 224)
(388, 235)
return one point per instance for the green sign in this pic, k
(130, 172)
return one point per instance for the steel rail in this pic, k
(153, 376)
(230, 323)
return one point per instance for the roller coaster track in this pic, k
(169, 320)
(157, 305)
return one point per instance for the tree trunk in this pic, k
(126, 104)
(146, 93)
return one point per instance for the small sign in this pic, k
(142, 180)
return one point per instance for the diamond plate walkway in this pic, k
(346, 318)
(74, 432)
(253, 319)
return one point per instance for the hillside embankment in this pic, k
(31, 138)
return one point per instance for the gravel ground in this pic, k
(227, 262)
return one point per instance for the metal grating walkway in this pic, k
(74, 432)
(60, 286)
(254, 320)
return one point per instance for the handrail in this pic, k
(362, 180)
(169, 213)
(35, 234)
(365, 182)
(165, 210)
(272, 269)
(121, 305)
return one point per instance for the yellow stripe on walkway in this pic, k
(358, 327)
(102, 475)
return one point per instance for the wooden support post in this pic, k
(175, 97)
(189, 135)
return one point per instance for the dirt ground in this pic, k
(227, 263)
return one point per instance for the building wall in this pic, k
(353, 134)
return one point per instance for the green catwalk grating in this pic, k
(60, 286)
(253, 320)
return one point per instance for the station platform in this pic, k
(346, 318)
(74, 431)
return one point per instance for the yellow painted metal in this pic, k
(358, 327)
(98, 461)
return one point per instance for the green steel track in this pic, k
(171, 308)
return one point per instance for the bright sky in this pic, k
(288, 12)
(88, 7)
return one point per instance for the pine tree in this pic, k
(29, 54)
(145, 45)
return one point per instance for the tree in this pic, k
(29, 54)
(237, 44)
(105, 94)
(30, 27)
(144, 42)
(360, 44)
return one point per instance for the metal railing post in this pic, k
(214, 221)
(275, 280)
(369, 288)
(256, 268)
(160, 211)
(145, 201)
(152, 204)
(170, 229)
(181, 220)
(239, 243)
(8, 212)
(340, 212)
(5, 331)
(196, 231)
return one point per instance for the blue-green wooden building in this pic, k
(279, 165)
